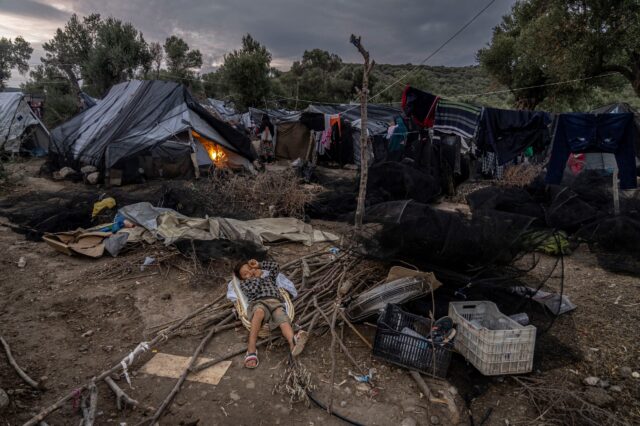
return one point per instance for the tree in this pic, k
(546, 41)
(70, 47)
(62, 98)
(246, 73)
(100, 52)
(119, 51)
(180, 59)
(13, 54)
(157, 55)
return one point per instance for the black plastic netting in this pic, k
(387, 181)
(584, 209)
(36, 213)
(420, 233)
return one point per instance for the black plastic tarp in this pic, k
(135, 116)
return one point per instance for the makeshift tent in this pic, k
(20, 128)
(146, 124)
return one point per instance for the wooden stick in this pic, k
(165, 404)
(16, 367)
(204, 365)
(333, 357)
(340, 342)
(160, 336)
(122, 399)
(93, 405)
(352, 327)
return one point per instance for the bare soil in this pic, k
(47, 306)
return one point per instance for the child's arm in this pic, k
(272, 267)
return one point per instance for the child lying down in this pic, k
(259, 283)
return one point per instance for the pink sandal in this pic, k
(253, 356)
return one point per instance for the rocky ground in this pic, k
(68, 318)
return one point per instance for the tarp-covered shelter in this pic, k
(155, 128)
(20, 128)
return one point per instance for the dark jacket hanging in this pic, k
(610, 133)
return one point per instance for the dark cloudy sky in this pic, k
(396, 32)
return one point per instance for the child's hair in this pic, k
(236, 269)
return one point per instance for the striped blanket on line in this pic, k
(457, 117)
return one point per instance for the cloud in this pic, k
(393, 31)
(32, 9)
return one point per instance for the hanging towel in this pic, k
(457, 117)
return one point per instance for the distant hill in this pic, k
(471, 83)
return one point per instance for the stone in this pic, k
(343, 404)
(4, 399)
(435, 420)
(251, 384)
(65, 171)
(234, 396)
(107, 348)
(591, 381)
(88, 169)
(88, 333)
(604, 384)
(92, 178)
(598, 396)
(625, 371)
(616, 388)
(408, 421)
(635, 375)
(83, 348)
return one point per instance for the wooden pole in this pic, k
(616, 193)
(364, 93)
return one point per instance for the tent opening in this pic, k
(216, 153)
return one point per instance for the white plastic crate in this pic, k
(504, 348)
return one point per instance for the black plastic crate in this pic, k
(406, 350)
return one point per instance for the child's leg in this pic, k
(256, 324)
(287, 332)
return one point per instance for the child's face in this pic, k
(247, 272)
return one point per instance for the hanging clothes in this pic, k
(491, 167)
(420, 106)
(584, 133)
(507, 133)
(398, 137)
(457, 117)
(266, 132)
(330, 120)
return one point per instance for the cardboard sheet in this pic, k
(172, 366)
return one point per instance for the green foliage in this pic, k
(119, 51)
(62, 102)
(100, 52)
(157, 55)
(13, 54)
(180, 59)
(545, 41)
(246, 73)
(69, 49)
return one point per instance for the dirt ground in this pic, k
(49, 305)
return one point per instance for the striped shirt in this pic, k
(265, 287)
(458, 118)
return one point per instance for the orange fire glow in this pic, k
(216, 153)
